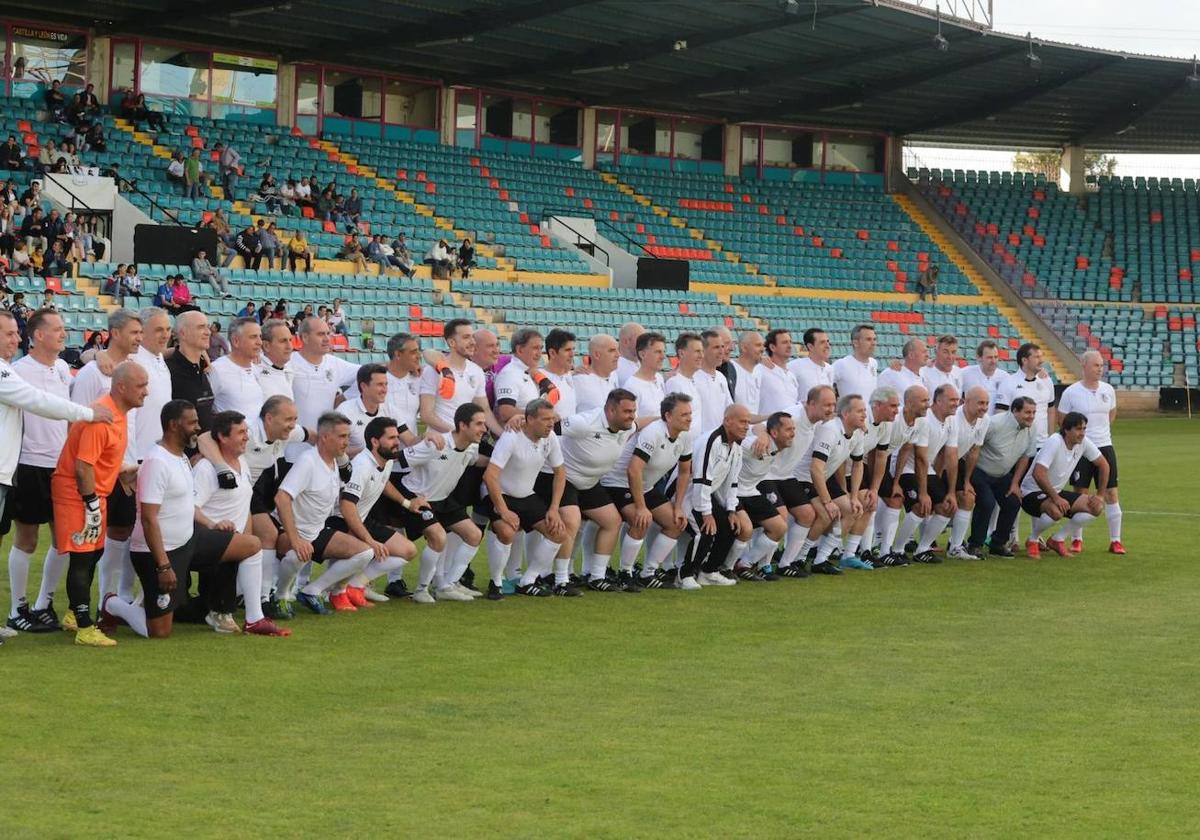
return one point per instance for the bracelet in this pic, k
(161, 569)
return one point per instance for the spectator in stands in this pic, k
(33, 229)
(287, 198)
(176, 172)
(231, 167)
(218, 345)
(438, 259)
(265, 312)
(404, 260)
(376, 255)
(12, 157)
(59, 167)
(927, 283)
(112, 283)
(94, 139)
(249, 247)
(352, 208)
(48, 301)
(268, 239)
(304, 197)
(48, 156)
(56, 102)
(131, 284)
(466, 257)
(250, 312)
(325, 206)
(76, 255)
(181, 293)
(33, 195)
(268, 193)
(37, 260)
(138, 111)
(279, 313)
(298, 250)
(205, 272)
(193, 175)
(68, 151)
(95, 245)
(70, 227)
(352, 251)
(337, 318)
(54, 229)
(164, 298)
(54, 263)
(302, 316)
(21, 263)
(8, 232)
(86, 105)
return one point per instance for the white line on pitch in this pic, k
(1163, 513)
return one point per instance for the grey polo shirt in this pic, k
(1005, 444)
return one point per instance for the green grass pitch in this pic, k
(1000, 698)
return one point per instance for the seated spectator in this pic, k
(54, 264)
(76, 255)
(95, 139)
(37, 260)
(60, 167)
(326, 205)
(302, 316)
(136, 111)
(48, 300)
(132, 282)
(248, 247)
(287, 198)
(48, 156)
(85, 107)
(265, 312)
(164, 298)
(269, 241)
(70, 226)
(352, 208)
(352, 251)
(95, 245)
(280, 311)
(376, 255)
(438, 258)
(218, 345)
(56, 102)
(8, 231)
(32, 197)
(68, 151)
(12, 156)
(304, 196)
(175, 172)
(466, 257)
(54, 228)
(336, 318)
(21, 262)
(112, 283)
(8, 194)
(33, 229)
(268, 193)
(250, 312)
(298, 249)
(205, 272)
(367, 334)
(403, 259)
(182, 295)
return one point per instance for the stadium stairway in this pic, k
(955, 251)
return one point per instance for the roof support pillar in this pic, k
(588, 144)
(893, 163)
(732, 153)
(1071, 170)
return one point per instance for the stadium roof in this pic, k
(843, 64)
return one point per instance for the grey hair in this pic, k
(306, 327)
(846, 401)
(151, 312)
(118, 319)
(523, 336)
(269, 327)
(274, 404)
(236, 327)
(330, 420)
(396, 343)
(911, 345)
(882, 395)
(1091, 354)
(534, 406)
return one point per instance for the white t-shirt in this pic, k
(434, 473)
(903, 433)
(217, 503)
(146, 422)
(625, 369)
(1040, 389)
(747, 388)
(680, 384)
(969, 436)
(315, 387)
(521, 459)
(934, 435)
(261, 454)
(514, 386)
(660, 452)
(590, 447)
(899, 381)
(90, 385)
(403, 402)
(650, 395)
(1095, 405)
(809, 375)
(43, 439)
(235, 388)
(274, 381)
(367, 479)
(314, 487)
(568, 398)
(469, 384)
(973, 375)
(165, 479)
(592, 390)
(755, 468)
(787, 461)
(934, 378)
(1059, 461)
(831, 444)
(777, 388)
(358, 416)
(850, 376)
(714, 398)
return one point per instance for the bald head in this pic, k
(192, 329)
(603, 352)
(750, 348)
(916, 400)
(627, 339)
(737, 423)
(130, 383)
(975, 402)
(487, 349)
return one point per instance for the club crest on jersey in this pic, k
(328, 376)
(772, 498)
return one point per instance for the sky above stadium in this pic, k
(1155, 27)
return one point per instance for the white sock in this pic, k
(289, 567)
(887, 520)
(428, 569)
(934, 526)
(562, 569)
(958, 528)
(249, 575)
(1083, 518)
(868, 534)
(52, 574)
(339, 571)
(852, 544)
(597, 565)
(828, 543)
(497, 557)
(517, 552)
(1069, 527)
(663, 545)
(1040, 524)
(738, 549)
(585, 543)
(18, 578)
(542, 561)
(905, 532)
(128, 577)
(461, 558)
(629, 552)
(377, 568)
(270, 569)
(797, 534)
(760, 550)
(134, 615)
(109, 571)
(1113, 514)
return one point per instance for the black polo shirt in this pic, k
(189, 381)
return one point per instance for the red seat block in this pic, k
(191, 131)
(993, 332)
(1155, 217)
(1039, 195)
(1004, 354)
(1014, 343)
(1082, 262)
(401, 174)
(502, 195)
(639, 228)
(893, 245)
(1173, 324)
(729, 188)
(818, 241)
(836, 253)
(24, 125)
(570, 191)
(1033, 213)
(523, 218)
(329, 227)
(684, 309)
(484, 172)
(421, 176)
(863, 234)
(892, 265)
(308, 213)
(587, 202)
(1185, 274)
(414, 311)
(475, 161)
(798, 231)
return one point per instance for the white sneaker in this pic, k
(470, 593)
(959, 552)
(222, 623)
(452, 593)
(688, 583)
(423, 596)
(7, 632)
(378, 597)
(714, 579)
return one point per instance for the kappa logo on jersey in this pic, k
(1104, 398)
(4, 374)
(328, 376)
(598, 436)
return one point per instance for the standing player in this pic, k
(857, 372)
(711, 384)
(689, 353)
(986, 372)
(653, 452)
(911, 370)
(124, 338)
(515, 385)
(35, 390)
(189, 365)
(971, 425)
(1008, 448)
(307, 498)
(1042, 493)
(272, 372)
(592, 385)
(944, 369)
(87, 471)
(404, 380)
(712, 502)
(747, 384)
(146, 422)
(777, 385)
(1097, 401)
(882, 408)
(814, 369)
(646, 383)
(431, 475)
(512, 505)
(792, 496)
(454, 381)
(627, 347)
(319, 376)
(233, 377)
(1032, 382)
(560, 362)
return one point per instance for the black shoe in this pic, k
(610, 573)
(796, 570)
(598, 585)
(746, 573)
(573, 579)
(535, 590)
(463, 582)
(728, 574)
(893, 558)
(547, 581)
(397, 589)
(48, 617)
(926, 557)
(670, 580)
(25, 622)
(826, 568)
(764, 575)
(654, 581)
(999, 551)
(272, 610)
(869, 556)
(566, 590)
(627, 582)
(494, 593)
(910, 547)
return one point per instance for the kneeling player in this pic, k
(757, 496)
(836, 498)
(1042, 493)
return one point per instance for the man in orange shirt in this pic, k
(88, 470)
